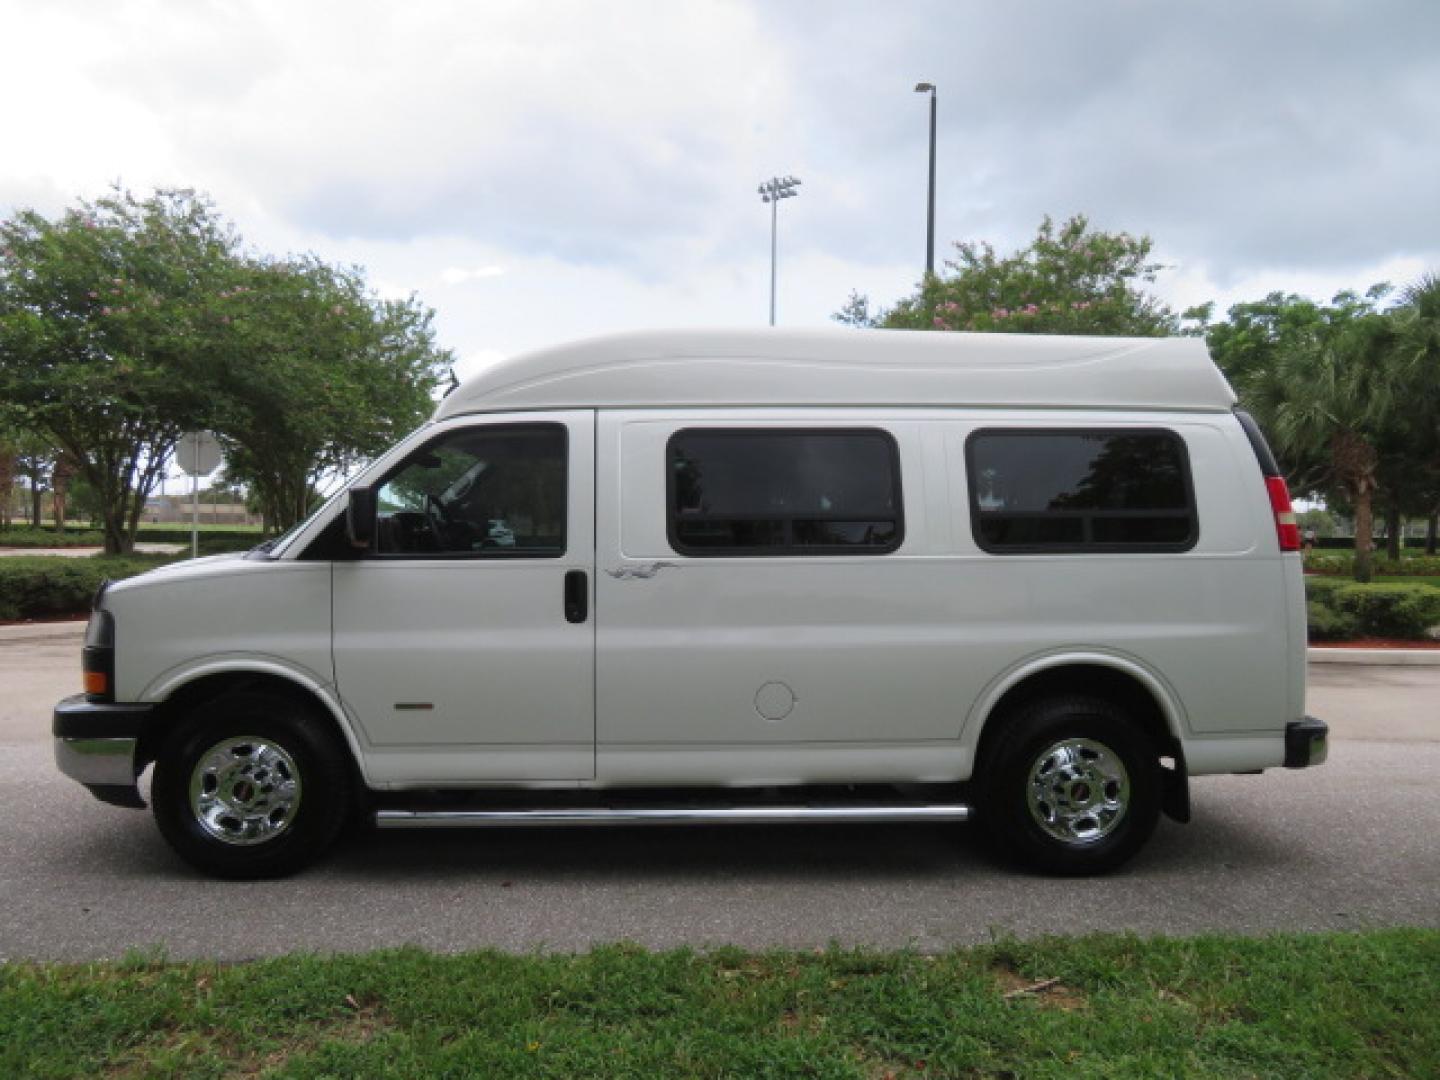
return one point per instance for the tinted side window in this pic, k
(491, 491)
(1041, 491)
(768, 492)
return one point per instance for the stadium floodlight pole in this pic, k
(772, 191)
(923, 88)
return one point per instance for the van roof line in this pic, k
(847, 367)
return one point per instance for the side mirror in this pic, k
(360, 517)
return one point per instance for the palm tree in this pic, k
(1415, 366)
(1339, 402)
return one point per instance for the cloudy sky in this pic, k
(541, 170)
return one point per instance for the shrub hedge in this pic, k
(39, 586)
(180, 534)
(27, 537)
(1343, 562)
(212, 541)
(1348, 542)
(1340, 609)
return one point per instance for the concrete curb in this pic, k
(1376, 657)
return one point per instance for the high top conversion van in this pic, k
(736, 577)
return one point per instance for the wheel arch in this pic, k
(181, 694)
(1123, 680)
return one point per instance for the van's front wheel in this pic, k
(251, 786)
(1071, 787)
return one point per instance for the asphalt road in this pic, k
(1355, 843)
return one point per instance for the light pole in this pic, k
(772, 191)
(923, 88)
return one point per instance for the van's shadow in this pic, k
(1213, 844)
(1217, 842)
(659, 854)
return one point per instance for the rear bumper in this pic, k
(1307, 743)
(95, 745)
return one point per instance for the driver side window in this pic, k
(494, 491)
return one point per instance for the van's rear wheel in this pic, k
(1071, 787)
(251, 786)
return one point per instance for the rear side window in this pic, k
(776, 492)
(1035, 491)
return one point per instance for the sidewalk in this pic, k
(86, 552)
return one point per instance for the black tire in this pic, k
(273, 787)
(1049, 786)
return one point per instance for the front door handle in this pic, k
(577, 596)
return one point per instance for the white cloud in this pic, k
(459, 275)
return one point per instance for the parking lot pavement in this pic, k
(1348, 845)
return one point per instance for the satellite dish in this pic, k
(197, 453)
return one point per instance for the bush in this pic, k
(213, 543)
(27, 537)
(1339, 542)
(1341, 609)
(1343, 562)
(180, 534)
(1394, 610)
(38, 586)
(1323, 589)
(1327, 624)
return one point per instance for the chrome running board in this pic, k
(719, 815)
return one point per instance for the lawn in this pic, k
(1403, 578)
(1324, 1005)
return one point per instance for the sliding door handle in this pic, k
(577, 596)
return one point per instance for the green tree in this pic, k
(107, 322)
(317, 375)
(1317, 377)
(1416, 367)
(1071, 279)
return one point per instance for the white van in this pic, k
(736, 577)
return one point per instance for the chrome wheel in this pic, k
(245, 790)
(1078, 791)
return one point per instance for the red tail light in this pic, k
(1286, 530)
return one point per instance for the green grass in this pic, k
(1426, 580)
(1328, 1005)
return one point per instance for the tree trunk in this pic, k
(7, 486)
(1364, 534)
(116, 540)
(1431, 528)
(114, 509)
(1394, 533)
(60, 474)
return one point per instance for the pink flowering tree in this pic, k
(1071, 279)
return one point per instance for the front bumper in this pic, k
(1307, 743)
(95, 744)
